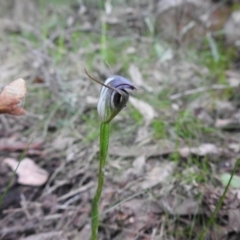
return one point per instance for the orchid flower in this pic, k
(112, 100)
(113, 97)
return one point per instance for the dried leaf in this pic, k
(223, 123)
(233, 78)
(135, 75)
(91, 101)
(137, 78)
(46, 236)
(136, 171)
(229, 123)
(9, 144)
(138, 164)
(175, 206)
(162, 148)
(234, 220)
(166, 5)
(143, 135)
(235, 147)
(202, 150)
(158, 174)
(144, 108)
(29, 173)
(12, 96)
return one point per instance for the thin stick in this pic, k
(107, 86)
(198, 90)
(104, 140)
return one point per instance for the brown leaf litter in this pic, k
(158, 174)
(163, 147)
(156, 204)
(12, 96)
(29, 173)
(11, 144)
(229, 123)
(146, 110)
(202, 150)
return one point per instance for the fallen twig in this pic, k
(198, 90)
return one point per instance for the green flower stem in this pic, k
(104, 140)
(219, 204)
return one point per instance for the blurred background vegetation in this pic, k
(171, 148)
